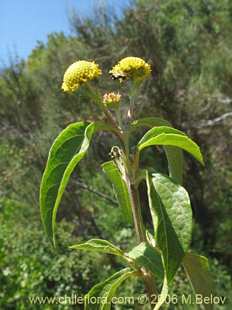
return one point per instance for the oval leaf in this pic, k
(168, 136)
(176, 201)
(166, 239)
(98, 245)
(67, 150)
(174, 155)
(156, 131)
(165, 235)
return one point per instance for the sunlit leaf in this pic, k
(67, 150)
(168, 136)
(174, 155)
(100, 246)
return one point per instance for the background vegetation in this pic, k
(189, 46)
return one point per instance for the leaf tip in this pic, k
(201, 159)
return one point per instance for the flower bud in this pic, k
(112, 100)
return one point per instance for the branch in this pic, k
(213, 122)
(97, 193)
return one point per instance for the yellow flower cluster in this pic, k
(133, 68)
(112, 100)
(79, 73)
(82, 71)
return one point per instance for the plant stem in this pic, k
(148, 277)
(141, 236)
(130, 173)
(136, 210)
(119, 118)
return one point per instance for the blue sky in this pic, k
(24, 22)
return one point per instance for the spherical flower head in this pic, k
(79, 73)
(112, 100)
(134, 68)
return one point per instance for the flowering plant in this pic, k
(161, 252)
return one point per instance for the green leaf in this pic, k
(176, 201)
(156, 131)
(110, 289)
(67, 150)
(120, 187)
(197, 269)
(98, 245)
(174, 155)
(166, 238)
(168, 136)
(175, 163)
(106, 290)
(165, 235)
(145, 255)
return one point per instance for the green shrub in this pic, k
(31, 267)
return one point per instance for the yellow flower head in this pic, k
(133, 68)
(79, 73)
(112, 100)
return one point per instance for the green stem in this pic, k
(136, 211)
(131, 171)
(130, 112)
(126, 144)
(119, 118)
(141, 236)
